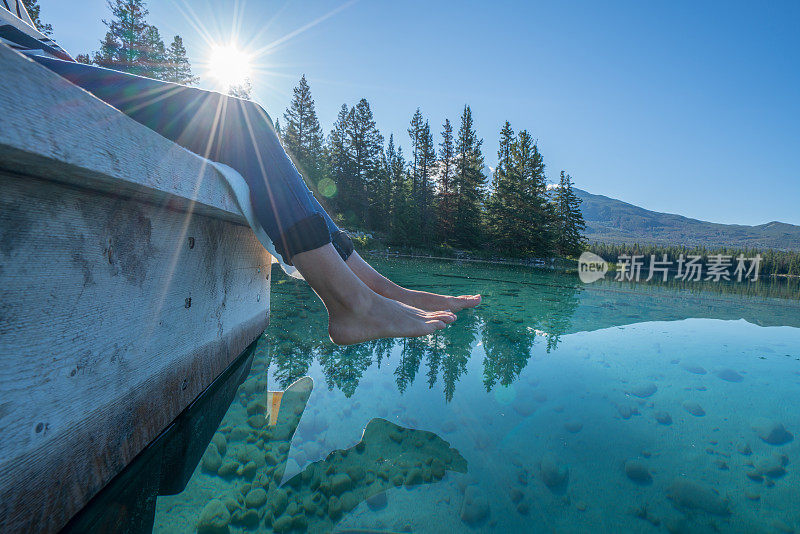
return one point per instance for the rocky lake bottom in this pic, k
(553, 407)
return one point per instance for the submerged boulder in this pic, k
(729, 375)
(694, 408)
(663, 418)
(637, 471)
(691, 495)
(643, 390)
(214, 519)
(211, 460)
(772, 466)
(772, 432)
(554, 473)
(475, 507)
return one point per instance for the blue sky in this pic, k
(683, 107)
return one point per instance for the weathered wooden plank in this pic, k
(114, 315)
(51, 128)
(128, 282)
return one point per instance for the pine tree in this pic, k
(83, 58)
(153, 59)
(364, 144)
(426, 186)
(130, 44)
(497, 206)
(446, 192)
(125, 44)
(415, 133)
(569, 219)
(469, 183)
(339, 168)
(177, 68)
(402, 216)
(302, 135)
(33, 8)
(531, 211)
(243, 90)
(278, 129)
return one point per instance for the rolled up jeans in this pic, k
(228, 130)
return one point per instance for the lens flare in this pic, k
(229, 65)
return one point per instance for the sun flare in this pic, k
(229, 65)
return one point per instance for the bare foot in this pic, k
(380, 317)
(418, 299)
(431, 301)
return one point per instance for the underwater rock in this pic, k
(278, 501)
(377, 501)
(744, 448)
(257, 421)
(772, 432)
(341, 483)
(663, 418)
(255, 498)
(221, 443)
(573, 427)
(638, 472)
(414, 477)
(643, 390)
(282, 524)
(729, 375)
(516, 495)
(231, 503)
(212, 460)
(782, 526)
(524, 407)
(692, 495)
(540, 396)
(228, 468)
(694, 369)
(238, 434)
(270, 459)
(475, 507)
(215, 518)
(694, 408)
(554, 474)
(626, 410)
(334, 508)
(348, 500)
(755, 476)
(752, 495)
(449, 426)
(245, 518)
(523, 508)
(256, 407)
(772, 466)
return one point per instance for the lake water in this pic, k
(553, 407)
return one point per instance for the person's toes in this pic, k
(468, 301)
(445, 316)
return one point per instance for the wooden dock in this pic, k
(129, 281)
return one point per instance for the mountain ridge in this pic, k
(609, 220)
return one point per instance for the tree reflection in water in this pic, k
(514, 313)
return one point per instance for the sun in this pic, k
(229, 65)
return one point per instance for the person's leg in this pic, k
(240, 134)
(419, 299)
(355, 312)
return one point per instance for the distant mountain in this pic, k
(613, 221)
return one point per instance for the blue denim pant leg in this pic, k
(236, 132)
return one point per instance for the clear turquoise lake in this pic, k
(555, 406)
